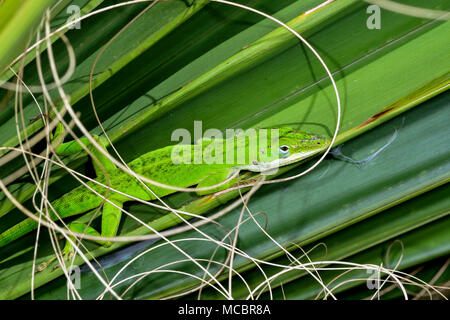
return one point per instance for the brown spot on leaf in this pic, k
(375, 117)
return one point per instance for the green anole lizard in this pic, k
(205, 164)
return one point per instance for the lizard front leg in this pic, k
(216, 177)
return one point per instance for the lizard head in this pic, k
(287, 147)
(297, 145)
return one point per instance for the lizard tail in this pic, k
(70, 204)
(17, 231)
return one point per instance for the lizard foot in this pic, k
(67, 255)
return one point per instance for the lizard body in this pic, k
(209, 162)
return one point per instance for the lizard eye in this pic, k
(284, 150)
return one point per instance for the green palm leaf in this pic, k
(174, 64)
